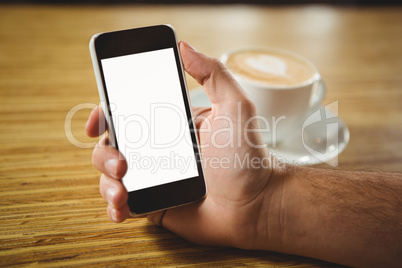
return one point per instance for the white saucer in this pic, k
(321, 141)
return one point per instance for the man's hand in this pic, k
(352, 218)
(235, 210)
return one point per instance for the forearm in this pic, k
(352, 218)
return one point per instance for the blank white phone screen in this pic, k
(149, 118)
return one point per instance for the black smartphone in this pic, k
(143, 94)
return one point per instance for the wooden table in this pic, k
(51, 211)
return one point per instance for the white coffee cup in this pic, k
(284, 87)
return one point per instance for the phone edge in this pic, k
(101, 89)
(104, 105)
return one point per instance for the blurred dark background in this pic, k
(263, 2)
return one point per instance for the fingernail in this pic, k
(111, 167)
(110, 194)
(188, 45)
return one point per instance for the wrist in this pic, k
(275, 221)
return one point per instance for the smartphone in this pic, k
(143, 94)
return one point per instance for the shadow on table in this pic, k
(180, 252)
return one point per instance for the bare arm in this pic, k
(352, 218)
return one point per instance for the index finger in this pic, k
(96, 124)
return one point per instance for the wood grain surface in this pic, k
(51, 213)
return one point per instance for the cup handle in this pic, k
(319, 95)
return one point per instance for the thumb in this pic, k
(219, 84)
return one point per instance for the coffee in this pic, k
(283, 86)
(270, 67)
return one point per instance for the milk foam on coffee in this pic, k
(270, 67)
